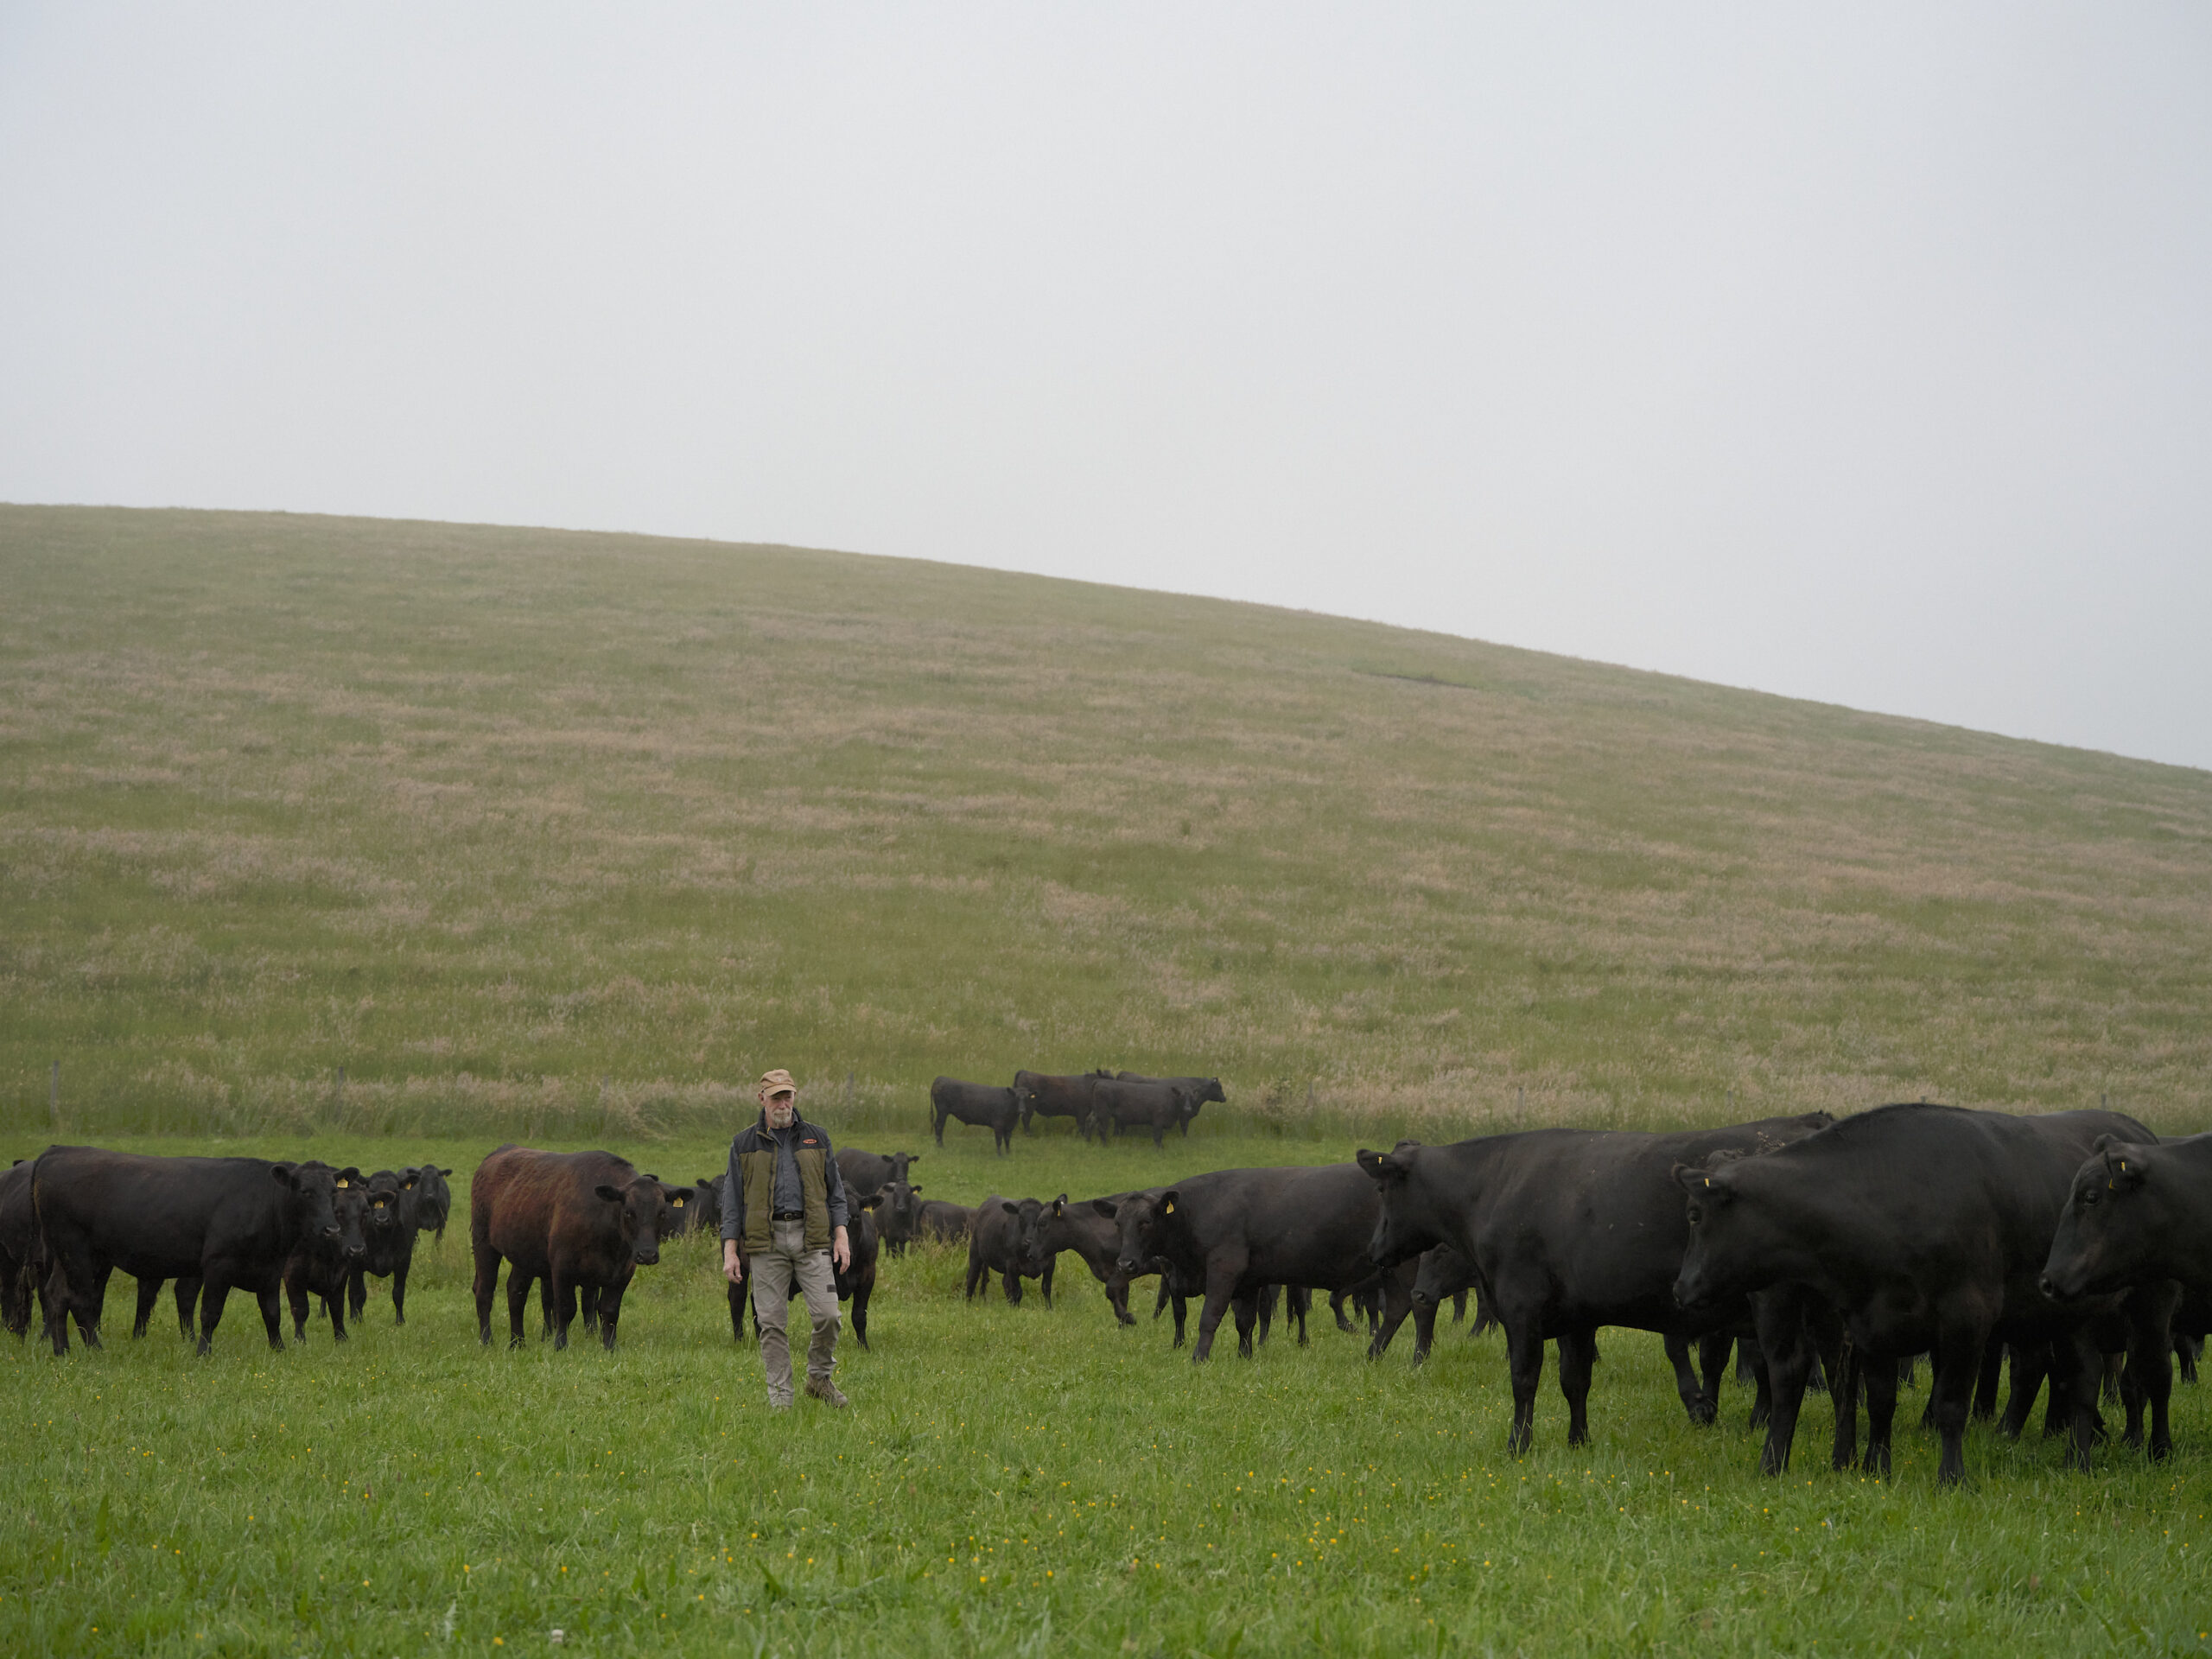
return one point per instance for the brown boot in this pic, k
(822, 1389)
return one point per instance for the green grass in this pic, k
(555, 833)
(1010, 1481)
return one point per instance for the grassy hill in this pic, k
(539, 832)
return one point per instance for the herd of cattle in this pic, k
(1836, 1252)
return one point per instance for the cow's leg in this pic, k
(1010, 1281)
(607, 1299)
(2189, 1350)
(1118, 1297)
(1578, 1351)
(978, 1271)
(1337, 1307)
(2149, 1369)
(1524, 1356)
(1956, 1367)
(563, 1304)
(335, 1306)
(61, 1299)
(1844, 1383)
(519, 1283)
(2030, 1361)
(737, 1300)
(860, 1293)
(937, 1127)
(214, 1290)
(1298, 1305)
(1880, 1377)
(1459, 1307)
(486, 1284)
(399, 1292)
(1786, 1357)
(1986, 1383)
(1424, 1329)
(1269, 1296)
(1181, 1305)
(187, 1295)
(1685, 1383)
(356, 1289)
(1762, 1384)
(2084, 1365)
(149, 1292)
(1044, 1283)
(295, 1292)
(1713, 1351)
(1246, 1306)
(273, 1314)
(1222, 1272)
(1397, 1301)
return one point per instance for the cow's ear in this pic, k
(285, 1175)
(653, 1178)
(913, 1158)
(2123, 1167)
(1382, 1165)
(871, 1201)
(412, 1179)
(1104, 1207)
(1060, 1206)
(349, 1176)
(1011, 1209)
(1699, 1183)
(612, 1194)
(708, 1180)
(1167, 1200)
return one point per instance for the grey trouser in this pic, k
(773, 1271)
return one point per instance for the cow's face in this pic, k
(1728, 1237)
(900, 1160)
(386, 1202)
(1211, 1090)
(676, 1209)
(433, 1198)
(637, 1205)
(349, 1203)
(1403, 1226)
(1033, 1250)
(2110, 1233)
(899, 1212)
(1443, 1272)
(312, 1189)
(1143, 1222)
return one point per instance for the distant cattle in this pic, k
(1047, 1095)
(1003, 1240)
(433, 1200)
(319, 1267)
(1159, 1107)
(983, 1104)
(229, 1222)
(1196, 1091)
(1238, 1230)
(389, 1225)
(582, 1221)
(867, 1174)
(1926, 1229)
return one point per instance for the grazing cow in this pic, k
(1004, 1240)
(1926, 1228)
(579, 1220)
(938, 1221)
(1199, 1090)
(1046, 1095)
(318, 1265)
(1237, 1230)
(868, 1173)
(855, 1284)
(389, 1228)
(1091, 1234)
(229, 1222)
(1568, 1230)
(433, 1200)
(1156, 1106)
(985, 1104)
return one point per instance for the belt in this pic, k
(788, 1215)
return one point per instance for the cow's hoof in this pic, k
(1704, 1413)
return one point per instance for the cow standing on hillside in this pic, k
(229, 1222)
(389, 1226)
(1004, 1240)
(1045, 1094)
(1926, 1229)
(1155, 1106)
(1196, 1091)
(1238, 1230)
(319, 1267)
(1091, 1233)
(433, 1200)
(983, 1104)
(1569, 1230)
(582, 1221)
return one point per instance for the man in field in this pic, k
(784, 1197)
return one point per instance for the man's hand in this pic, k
(840, 1251)
(733, 1269)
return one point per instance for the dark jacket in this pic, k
(771, 1170)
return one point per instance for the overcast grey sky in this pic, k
(1857, 352)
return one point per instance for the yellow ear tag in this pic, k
(341, 1187)
(1708, 1180)
(2123, 1165)
(2112, 1187)
(679, 1204)
(1169, 1210)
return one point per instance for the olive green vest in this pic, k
(758, 1168)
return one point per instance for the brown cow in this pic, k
(580, 1220)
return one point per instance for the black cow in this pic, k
(680, 1214)
(706, 1205)
(1238, 1230)
(1156, 1106)
(1003, 1240)
(1443, 1272)
(1926, 1228)
(582, 1221)
(1047, 1095)
(229, 1222)
(1091, 1234)
(2138, 1213)
(983, 1104)
(318, 1265)
(1569, 1230)
(898, 1215)
(869, 1173)
(938, 1221)
(433, 1200)
(18, 1246)
(1198, 1091)
(389, 1228)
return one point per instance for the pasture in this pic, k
(1008, 1480)
(380, 841)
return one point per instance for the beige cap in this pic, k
(777, 1082)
